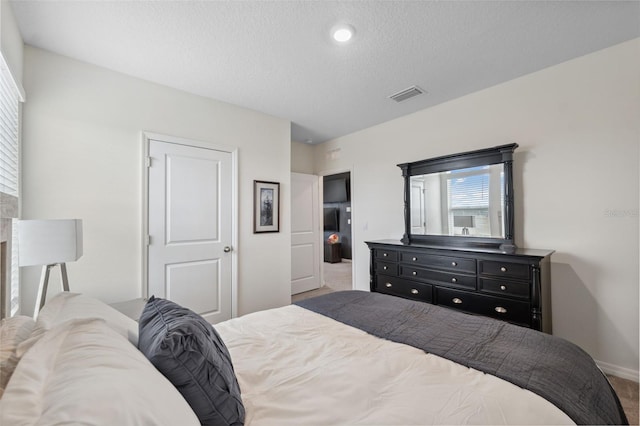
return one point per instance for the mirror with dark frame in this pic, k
(463, 200)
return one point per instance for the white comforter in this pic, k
(296, 367)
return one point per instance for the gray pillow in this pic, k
(189, 352)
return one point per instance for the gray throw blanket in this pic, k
(549, 366)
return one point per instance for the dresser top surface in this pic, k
(516, 252)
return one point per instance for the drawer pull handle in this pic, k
(454, 280)
(414, 259)
(454, 263)
(414, 273)
(501, 310)
(503, 287)
(385, 268)
(414, 291)
(503, 269)
(456, 301)
(385, 254)
(388, 285)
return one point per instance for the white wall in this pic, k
(82, 159)
(576, 184)
(11, 40)
(302, 158)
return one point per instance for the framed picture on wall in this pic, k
(266, 206)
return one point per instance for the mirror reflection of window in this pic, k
(464, 202)
(474, 199)
(468, 201)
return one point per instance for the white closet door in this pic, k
(190, 228)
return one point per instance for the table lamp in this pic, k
(49, 243)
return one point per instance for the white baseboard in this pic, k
(622, 372)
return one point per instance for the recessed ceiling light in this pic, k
(342, 33)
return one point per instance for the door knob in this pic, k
(227, 249)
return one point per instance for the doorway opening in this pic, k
(337, 232)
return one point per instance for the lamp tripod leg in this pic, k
(44, 283)
(42, 290)
(63, 276)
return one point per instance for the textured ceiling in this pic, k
(277, 57)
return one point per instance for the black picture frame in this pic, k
(266, 206)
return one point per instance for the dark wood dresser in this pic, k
(511, 286)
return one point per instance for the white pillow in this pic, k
(13, 331)
(83, 372)
(66, 306)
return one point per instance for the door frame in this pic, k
(330, 172)
(146, 138)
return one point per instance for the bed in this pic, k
(350, 358)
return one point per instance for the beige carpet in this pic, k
(627, 391)
(337, 277)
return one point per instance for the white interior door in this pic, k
(305, 233)
(190, 227)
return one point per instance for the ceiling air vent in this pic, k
(406, 94)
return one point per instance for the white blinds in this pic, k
(10, 98)
(469, 189)
(9, 125)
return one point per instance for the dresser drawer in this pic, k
(387, 255)
(504, 269)
(504, 309)
(439, 262)
(456, 299)
(505, 288)
(440, 277)
(404, 288)
(388, 268)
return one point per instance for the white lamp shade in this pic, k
(46, 242)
